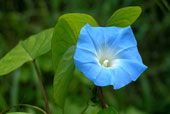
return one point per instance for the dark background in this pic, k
(150, 94)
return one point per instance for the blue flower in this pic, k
(108, 56)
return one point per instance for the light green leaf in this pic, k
(39, 44)
(124, 17)
(63, 76)
(25, 51)
(77, 21)
(66, 33)
(109, 110)
(18, 113)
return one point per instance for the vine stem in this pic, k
(26, 105)
(42, 87)
(99, 89)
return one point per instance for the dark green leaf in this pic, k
(66, 33)
(63, 76)
(109, 110)
(25, 51)
(124, 17)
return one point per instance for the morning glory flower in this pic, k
(108, 56)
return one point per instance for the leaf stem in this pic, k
(42, 87)
(99, 89)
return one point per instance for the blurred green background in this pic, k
(150, 94)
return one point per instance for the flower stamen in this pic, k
(105, 63)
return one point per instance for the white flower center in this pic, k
(105, 56)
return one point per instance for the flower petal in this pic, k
(84, 55)
(90, 70)
(85, 41)
(130, 53)
(96, 35)
(121, 78)
(121, 74)
(111, 34)
(116, 76)
(124, 40)
(105, 77)
(103, 35)
(133, 68)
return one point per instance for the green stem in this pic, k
(26, 105)
(99, 89)
(42, 87)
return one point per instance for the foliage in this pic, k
(18, 21)
(25, 51)
(124, 17)
(63, 76)
(65, 34)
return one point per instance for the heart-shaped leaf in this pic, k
(25, 51)
(124, 17)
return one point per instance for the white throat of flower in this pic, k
(105, 56)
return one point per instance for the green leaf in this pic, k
(66, 33)
(18, 113)
(124, 17)
(109, 110)
(63, 76)
(38, 44)
(25, 51)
